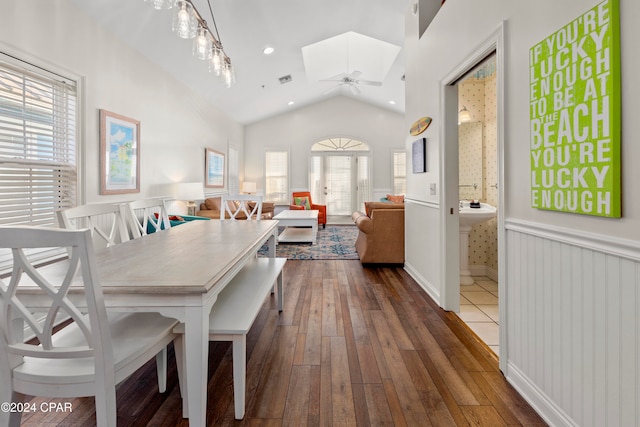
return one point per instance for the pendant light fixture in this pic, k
(215, 64)
(464, 115)
(185, 24)
(202, 44)
(188, 23)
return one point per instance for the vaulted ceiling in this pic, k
(246, 27)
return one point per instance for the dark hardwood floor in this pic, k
(354, 346)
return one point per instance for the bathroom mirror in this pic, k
(470, 160)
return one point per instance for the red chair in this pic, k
(322, 209)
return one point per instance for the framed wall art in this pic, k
(119, 154)
(213, 168)
(419, 155)
(575, 110)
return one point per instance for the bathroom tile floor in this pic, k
(479, 310)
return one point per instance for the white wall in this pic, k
(571, 289)
(176, 124)
(382, 130)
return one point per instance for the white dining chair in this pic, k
(106, 222)
(238, 204)
(89, 356)
(147, 213)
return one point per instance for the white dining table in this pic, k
(179, 272)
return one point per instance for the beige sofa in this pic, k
(211, 209)
(381, 235)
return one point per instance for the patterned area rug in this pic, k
(333, 242)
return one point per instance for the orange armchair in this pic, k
(322, 209)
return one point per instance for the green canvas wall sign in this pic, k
(574, 78)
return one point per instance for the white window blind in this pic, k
(38, 172)
(277, 176)
(399, 172)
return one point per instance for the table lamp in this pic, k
(249, 187)
(190, 192)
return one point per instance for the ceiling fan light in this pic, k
(185, 24)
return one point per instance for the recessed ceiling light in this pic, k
(268, 50)
(392, 102)
(290, 103)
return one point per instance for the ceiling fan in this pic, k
(351, 80)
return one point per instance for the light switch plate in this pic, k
(432, 188)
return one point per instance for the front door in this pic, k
(339, 183)
(339, 173)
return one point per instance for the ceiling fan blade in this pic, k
(337, 78)
(370, 82)
(354, 89)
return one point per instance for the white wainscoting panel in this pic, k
(573, 324)
(422, 247)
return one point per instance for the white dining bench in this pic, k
(236, 309)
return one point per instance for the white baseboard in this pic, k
(427, 286)
(484, 270)
(541, 403)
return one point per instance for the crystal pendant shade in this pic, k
(188, 23)
(215, 64)
(202, 45)
(185, 24)
(229, 75)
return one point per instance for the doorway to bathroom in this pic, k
(467, 105)
(478, 182)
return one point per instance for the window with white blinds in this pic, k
(38, 171)
(37, 144)
(276, 170)
(399, 172)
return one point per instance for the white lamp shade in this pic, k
(249, 187)
(189, 191)
(464, 115)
